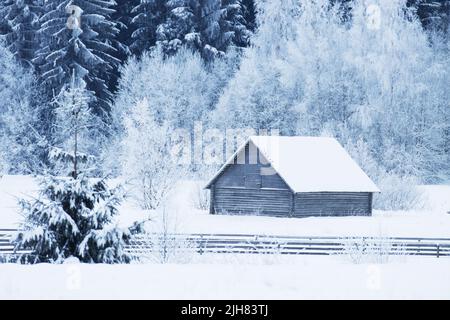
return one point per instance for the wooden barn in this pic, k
(291, 177)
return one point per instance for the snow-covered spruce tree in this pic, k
(221, 24)
(22, 17)
(4, 27)
(73, 218)
(206, 26)
(74, 215)
(147, 157)
(240, 18)
(122, 16)
(19, 147)
(147, 15)
(434, 15)
(249, 13)
(122, 41)
(78, 35)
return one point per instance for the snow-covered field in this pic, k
(304, 278)
(242, 276)
(432, 221)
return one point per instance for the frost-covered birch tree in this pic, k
(256, 96)
(180, 89)
(19, 117)
(148, 161)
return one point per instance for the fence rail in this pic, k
(266, 244)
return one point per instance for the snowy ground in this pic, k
(306, 278)
(242, 276)
(432, 221)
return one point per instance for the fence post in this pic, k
(438, 248)
(201, 245)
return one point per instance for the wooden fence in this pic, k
(266, 244)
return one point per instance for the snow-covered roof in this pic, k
(309, 164)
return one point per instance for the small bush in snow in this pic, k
(369, 250)
(200, 196)
(164, 248)
(398, 193)
(266, 251)
(2, 165)
(161, 243)
(270, 251)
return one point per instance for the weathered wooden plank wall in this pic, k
(252, 201)
(332, 204)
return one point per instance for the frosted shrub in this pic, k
(2, 166)
(164, 248)
(398, 193)
(369, 250)
(19, 151)
(161, 243)
(200, 196)
(271, 251)
(257, 251)
(148, 161)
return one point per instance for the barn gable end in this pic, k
(243, 172)
(249, 185)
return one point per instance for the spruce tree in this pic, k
(147, 15)
(434, 14)
(241, 18)
(20, 20)
(74, 214)
(123, 17)
(249, 11)
(85, 47)
(205, 26)
(221, 24)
